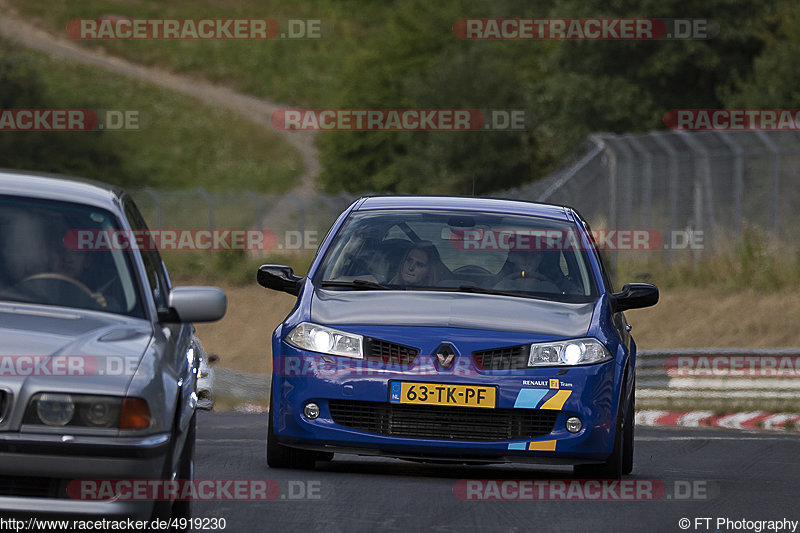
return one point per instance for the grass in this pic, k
(755, 260)
(235, 268)
(292, 71)
(183, 143)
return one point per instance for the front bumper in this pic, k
(589, 392)
(36, 471)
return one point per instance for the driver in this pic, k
(537, 266)
(69, 266)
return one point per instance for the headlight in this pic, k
(55, 409)
(100, 412)
(83, 410)
(326, 340)
(567, 353)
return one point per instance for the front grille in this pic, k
(3, 404)
(389, 352)
(440, 422)
(33, 487)
(502, 358)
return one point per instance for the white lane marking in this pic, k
(738, 436)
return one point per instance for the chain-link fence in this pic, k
(299, 222)
(716, 183)
(701, 187)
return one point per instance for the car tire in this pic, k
(630, 425)
(165, 510)
(183, 508)
(614, 467)
(280, 456)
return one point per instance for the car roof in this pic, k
(465, 203)
(61, 188)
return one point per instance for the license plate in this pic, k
(442, 394)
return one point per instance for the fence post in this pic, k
(258, 202)
(613, 172)
(647, 192)
(776, 166)
(157, 201)
(210, 205)
(672, 157)
(738, 177)
(625, 184)
(702, 189)
(300, 211)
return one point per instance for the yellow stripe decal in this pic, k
(542, 446)
(558, 400)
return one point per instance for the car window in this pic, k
(60, 253)
(156, 272)
(425, 250)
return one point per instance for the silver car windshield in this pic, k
(58, 253)
(459, 251)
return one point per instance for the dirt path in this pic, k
(16, 29)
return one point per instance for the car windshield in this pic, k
(54, 253)
(459, 251)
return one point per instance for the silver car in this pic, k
(98, 356)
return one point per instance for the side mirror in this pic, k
(279, 278)
(634, 296)
(195, 304)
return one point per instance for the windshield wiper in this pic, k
(517, 294)
(481, 290)
(360, 284)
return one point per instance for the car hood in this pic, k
(41, 343)
(451, 309)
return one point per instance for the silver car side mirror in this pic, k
(198, 304)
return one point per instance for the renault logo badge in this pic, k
(445, 354)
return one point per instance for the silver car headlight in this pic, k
(55, 409)
(84, 410)
(326, 340)
(568, 353)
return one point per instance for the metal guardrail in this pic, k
(719, 379)
(654, 384)
(250, 388)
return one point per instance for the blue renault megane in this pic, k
(455, 329)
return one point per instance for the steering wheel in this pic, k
(537, 281)
(474, 270)
(96, 297)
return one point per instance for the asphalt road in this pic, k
(679, 473)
